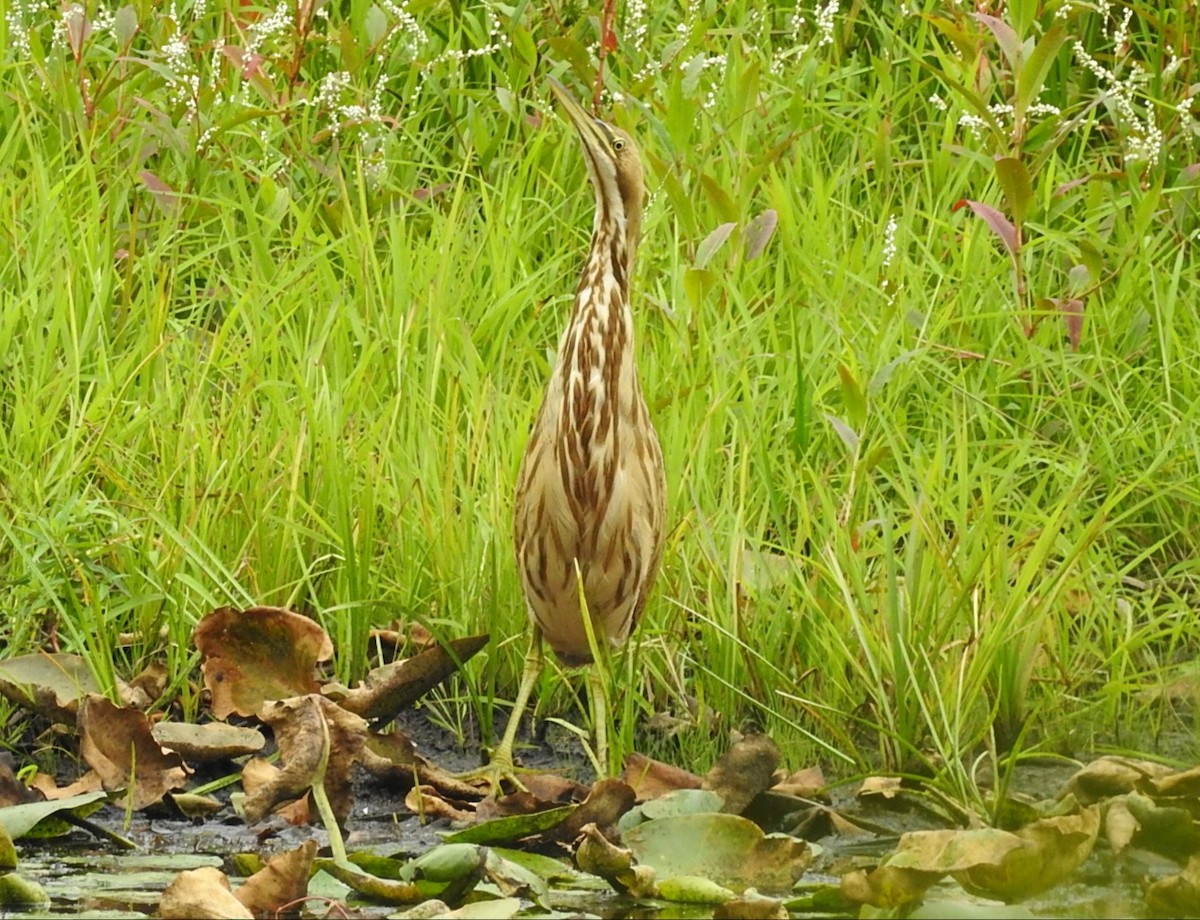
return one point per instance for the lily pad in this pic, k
(679, 802)
(23, 820)
(726, 849)
(513, 827)
(51, 685)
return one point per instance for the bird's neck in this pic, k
(596, 355)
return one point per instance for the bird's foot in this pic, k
(494, 776)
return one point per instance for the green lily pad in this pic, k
(20, 892)
(386, 891)
(726, 849)
(679, 802)
(37, 819)
(513, 827)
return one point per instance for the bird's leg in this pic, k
(598, 700)
(598, 684)
(501, 766)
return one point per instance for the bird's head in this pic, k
(613, 161)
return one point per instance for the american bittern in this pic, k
(591, 494)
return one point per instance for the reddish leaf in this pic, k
(78, 28)
(1071, 309)
(997, 222)
(164, 195)
(1006, 38)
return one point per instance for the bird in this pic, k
(590, 506)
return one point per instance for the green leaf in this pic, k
(720, 199)
(711, 243)
(1006, 38)
(1015, 180)
(375, 25)
(726, 850)
(27, 820)
(514, 827)
(1033, 73)
(853, 397)
(124, 25)
(524, 46)
(697, 282)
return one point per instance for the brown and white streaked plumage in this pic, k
(591, 494)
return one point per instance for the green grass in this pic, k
(904, 532)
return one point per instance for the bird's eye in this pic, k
(618, 144)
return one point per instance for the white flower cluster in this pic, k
(825, 14)
(19, 19)
(1003, 112)
(408, 28)
(184, 85)
(1144, 143)
(262, 30)
(636, 26)
(889, 241)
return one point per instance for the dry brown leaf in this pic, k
(393, 758)
(608, 800)
(44, 783)
(303, 726)
(283, 880)
(597, 855)
(743, 771)
(1111, 775)
(746, 908)
(259, 773)
(429, 804)
(210, 742)
(652, 778)
(887, 886)
(118, 745)
(201, 894)
(396, 686)
(1119, 824)
(145, 689)
(808, 783)
(1177, 895)
(554, 788)
(1053, 849)
(882, 787)
(260, 654)
(12, 790)
(1185, 783)
(49, 684)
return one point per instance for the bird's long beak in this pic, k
(591, 130)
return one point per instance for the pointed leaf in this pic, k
(1017, 185)
(1006, 38)
(997, 222)
(714, 241)
(125, 25)
(853, 397)
(1033, 73)
(759, 232)
(848, 435)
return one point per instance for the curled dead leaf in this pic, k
(201, 894)
(283, 880)
(652, 778)
(118, 744)
(260, 654)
